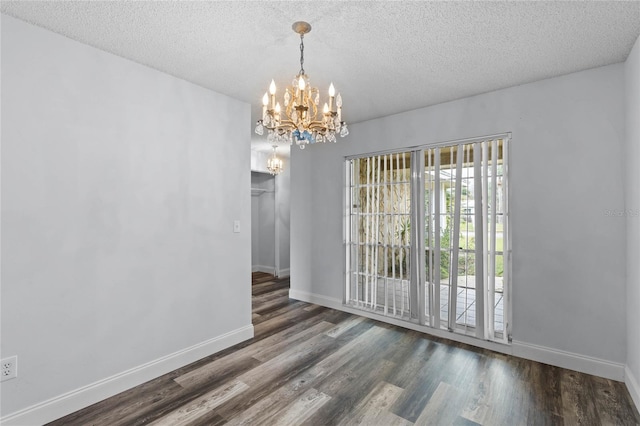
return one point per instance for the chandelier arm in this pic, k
(287, 124)
(317, 125)
(313, 116)
(289, 109)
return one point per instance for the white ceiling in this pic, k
(385, 57)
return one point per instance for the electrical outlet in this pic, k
(9, 368)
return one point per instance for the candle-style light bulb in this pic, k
(265, 103)
(272, 91)
(326, 108)
(301, 83)
(332, 92)
(278, 108)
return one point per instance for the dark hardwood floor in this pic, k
(310, 365)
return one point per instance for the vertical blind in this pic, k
(380, 240)
(428, 236)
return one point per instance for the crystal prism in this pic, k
(339, 100)
(344, 131)
(260, 129)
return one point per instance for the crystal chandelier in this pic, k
(298, 121)
(274, 164)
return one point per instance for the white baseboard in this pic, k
(75, 400)
(284, 273)
(316, 299)
(546, 355)
(633, 386)
(270, 270)
(262, 268)
(569, 360)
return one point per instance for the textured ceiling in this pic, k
(385, 57)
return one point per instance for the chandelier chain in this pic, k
(301, 53)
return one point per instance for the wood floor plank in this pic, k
(357, 348)
(264, 410)
(277, 372)
(302, 408)
(411, 360)
(271, 326)
(209, 419)
(578, 399)
(281, 364)
(444, 406)
(126, 405)
(261, 351)
(338, 316)
(489, 403)
(217, 370)
(480, 401)
(265, 297)
(461, 421)
(268, 287)
(271, 305)
(162, 407)
(202, 405)
(423, 383)
(374, 408)
(312, 365)
(291, 307)
(543, 382)
(612, 407)
(353, 371)
(267, 352)
(347, 388)
(311, 307)
(344, 326)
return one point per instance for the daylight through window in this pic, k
(428, 236)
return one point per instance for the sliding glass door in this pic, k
(380, 233)
(428, 236)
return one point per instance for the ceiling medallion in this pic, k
(298, 119)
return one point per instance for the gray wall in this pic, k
(632, 205)
(117, 214)
(566, 171)
(283, 215)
